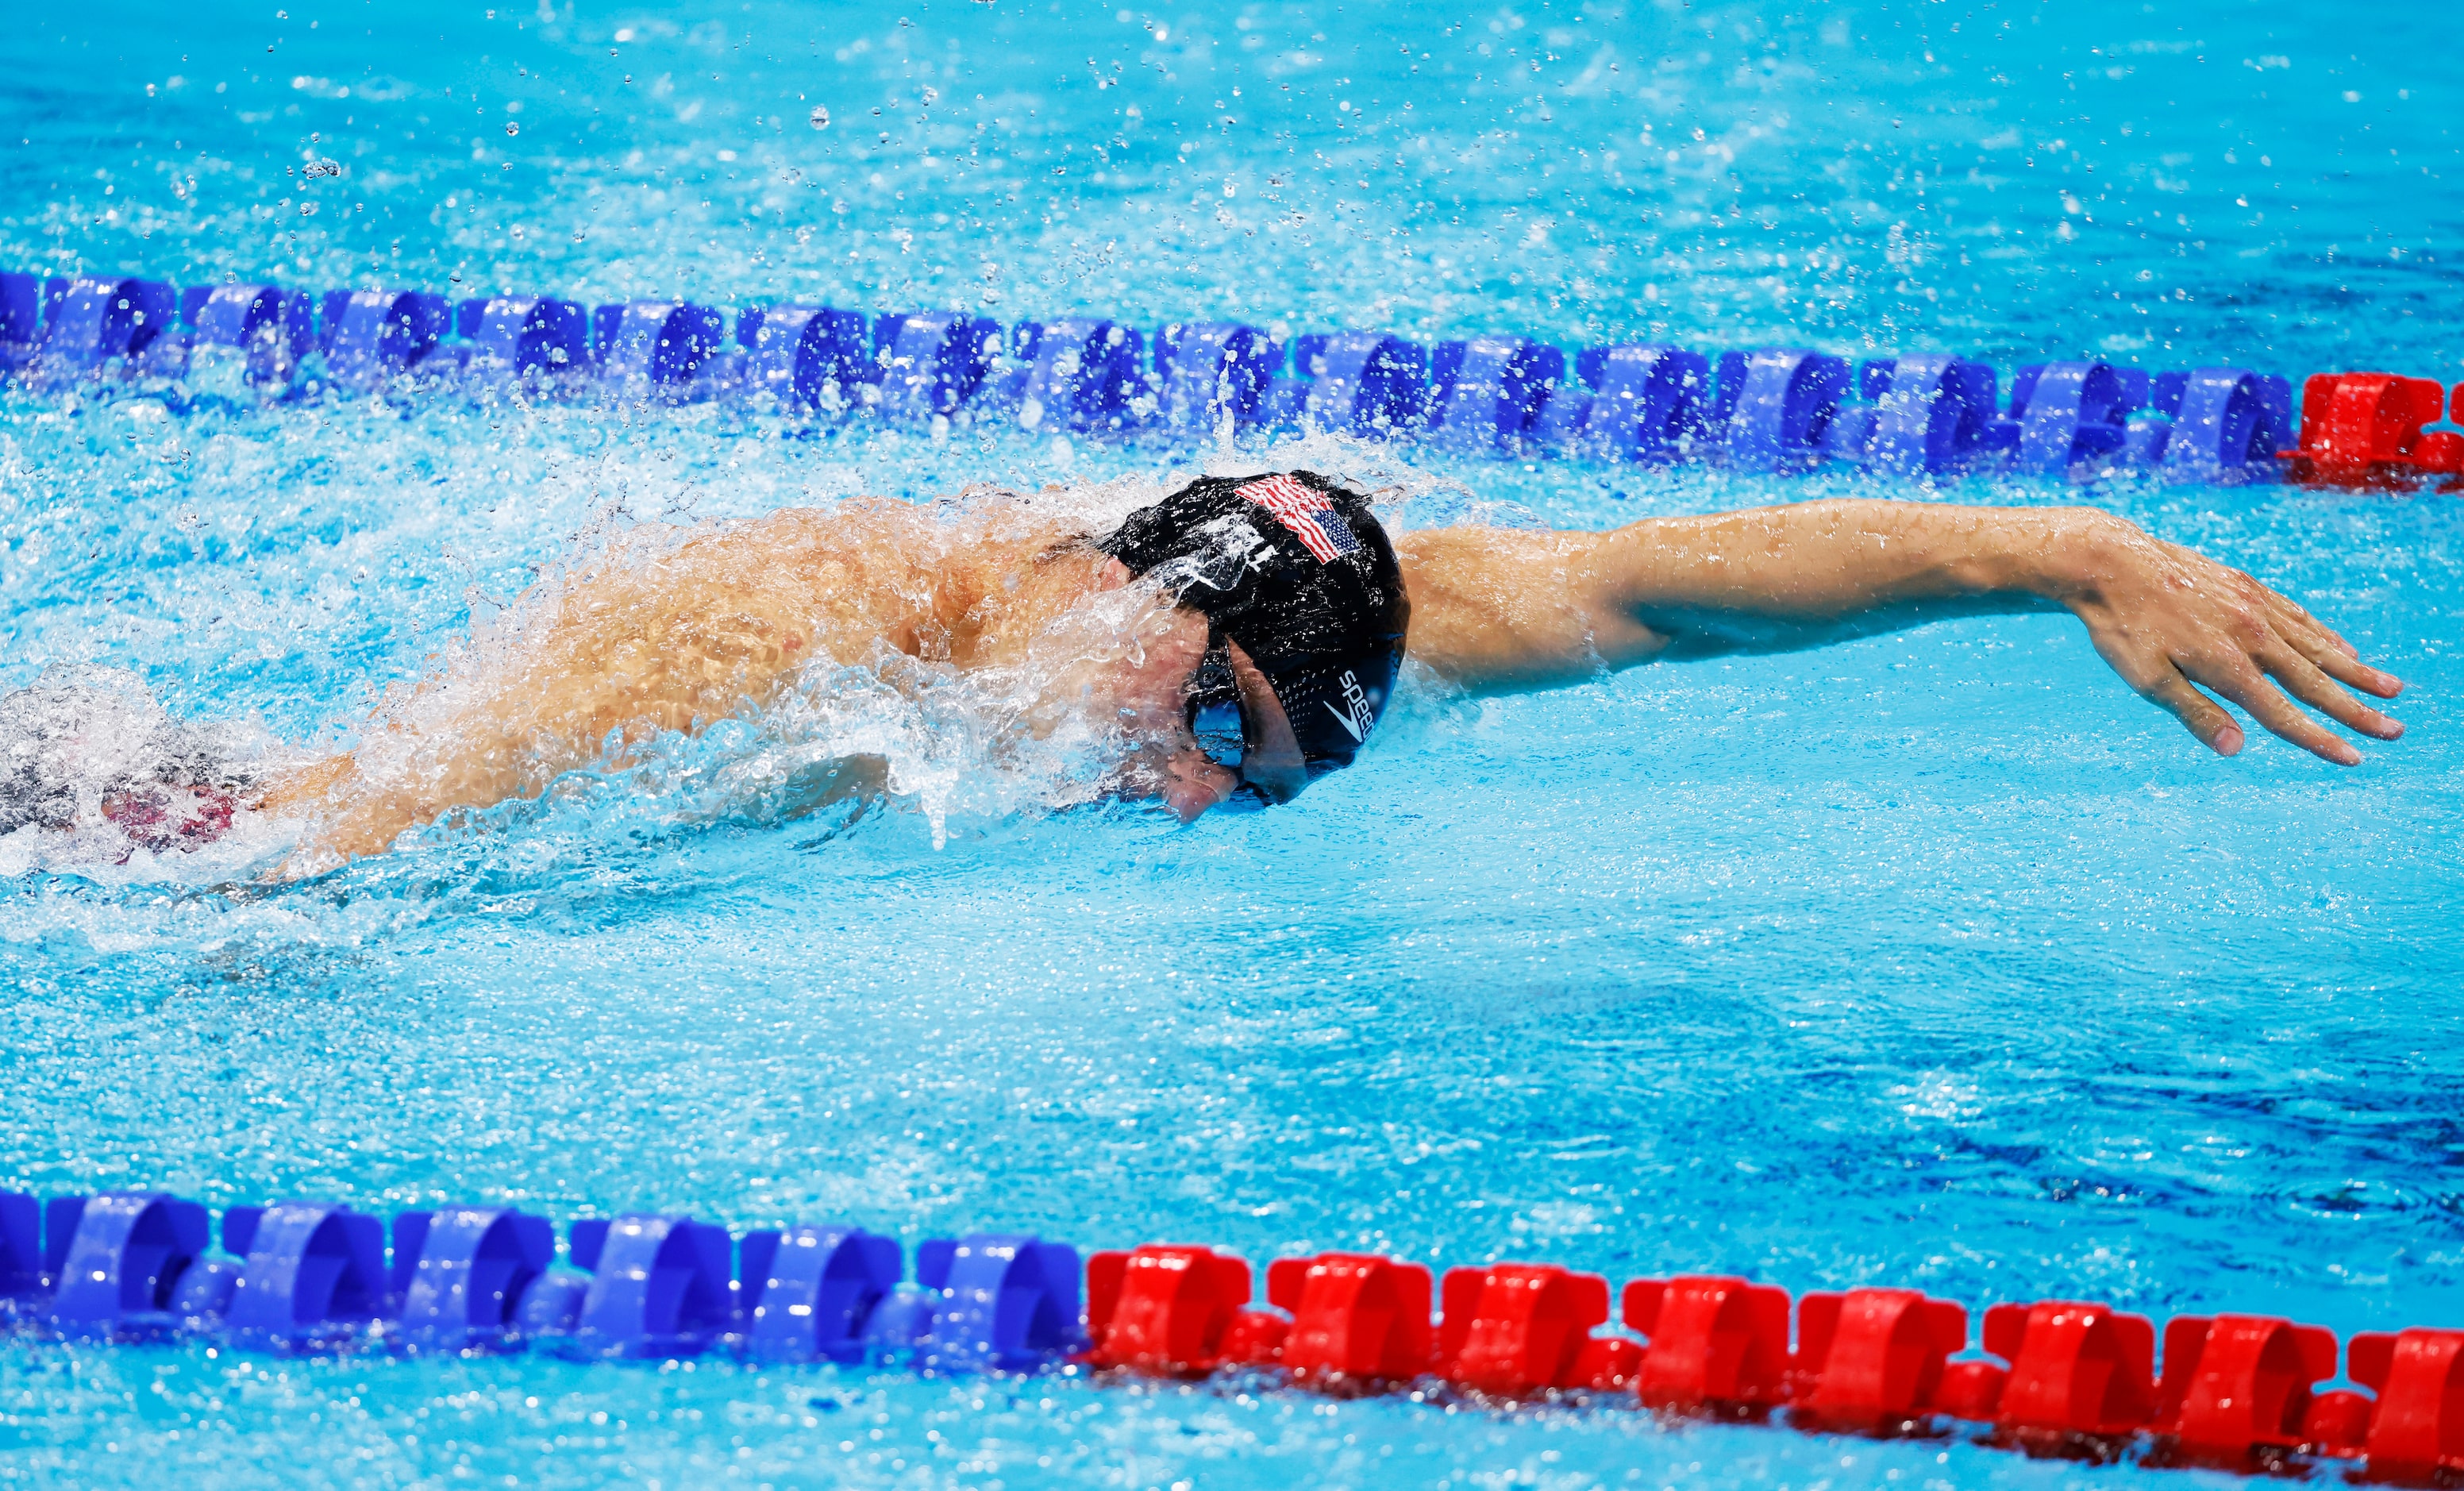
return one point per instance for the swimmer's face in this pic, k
(1152, 695)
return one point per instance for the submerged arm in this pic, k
(1497, 610)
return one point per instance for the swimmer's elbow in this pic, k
(1619, 641)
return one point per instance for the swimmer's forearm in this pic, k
(1505, 611)
(1778, 578)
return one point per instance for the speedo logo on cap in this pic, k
(1307, 513)
(1356, 715)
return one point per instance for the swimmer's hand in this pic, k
(2172, 621)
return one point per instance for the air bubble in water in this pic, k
(821, 117)
(512, 128)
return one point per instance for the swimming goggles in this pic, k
(1219, 719)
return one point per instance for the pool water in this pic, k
(1933, 960)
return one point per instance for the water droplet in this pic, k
(821, 117)
(512, 128)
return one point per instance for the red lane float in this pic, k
(1719, 1344)
(1171, 1311)
(1514, 1330)
(2364, 430)
(1872, 1360)
(2416, 1429)
(2236, 1391)
(2082, 1380)
(1358, 1319)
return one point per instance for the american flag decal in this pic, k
(1307, 513)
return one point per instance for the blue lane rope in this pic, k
(1773, 409)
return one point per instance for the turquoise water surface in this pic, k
(1934, 959)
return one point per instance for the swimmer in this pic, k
(1241, 636)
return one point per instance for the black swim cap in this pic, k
(1296, 570)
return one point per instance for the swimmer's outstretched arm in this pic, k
(1502, 610)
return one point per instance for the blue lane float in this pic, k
(1492, 393)
(658, 342)
(2228, 425)
(21, 1247)
(806, 357)
(1775, 411)
(1930, 415)
(91, 324)
(313, 1271)
(206, 1286)
(661, 1286)
(1006, 1303)
(21, 320)
(460, 1273)
(1212, 372)
(115, 1261)
(514, 337)
(314, 1275)
(824, 1284)
(1083, 376)
(933, 364)
(2070, 414)
(262, 331)
(1775, 405)
(372, 337)
(1365, 384)
(1651, 405)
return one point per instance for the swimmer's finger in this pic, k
(2313, 687)
(2328, 649)
(2299, 625)
(2346, 668)
(2315, 640)
(2289, 616)
(2244, 685)
(2331, 653)
(2204, 717)
(2286, 606)
(2324, 648)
